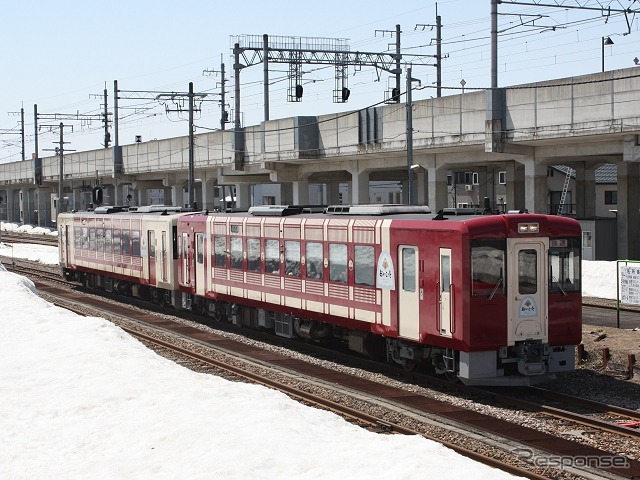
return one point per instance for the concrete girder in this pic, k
(631, 149)
(243, 179)
(147, 184)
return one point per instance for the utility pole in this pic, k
(35, 129)
(107, 136)
(224, 115)
(494, 44)
(10, 132)
(438, 55)
(60, 152)
(192, 203)
(409, 110)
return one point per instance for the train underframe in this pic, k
(525, 363)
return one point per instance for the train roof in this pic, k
(373, 211)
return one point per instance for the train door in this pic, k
(68, 240)
(199, 264)
(527, 289)
(445, 292)
(151, 242)
(163, 256)
(408, 293)
(185, 259)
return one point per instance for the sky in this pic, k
(62, 55)
(82, 399)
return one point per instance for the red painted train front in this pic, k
(491, 299)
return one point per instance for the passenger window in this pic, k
(107, 241)
(253, 254)
(116, 242)
(85, 237)
(236, 252)
(314, 262)
(100, 239)
(219, 248)
(272, 256)
(292, 258)
(564, 265)
(527, 272)
(200, 248)
(135, 243)
(92, 239)
(78, 237)
(364, 265)
(126, 243)
(409, 269)
(488, 267)
(338, 263)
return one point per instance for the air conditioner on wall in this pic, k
(468, 188)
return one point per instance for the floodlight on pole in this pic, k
(605, 41)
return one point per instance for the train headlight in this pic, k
(528, 228)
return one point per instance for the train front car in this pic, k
(507, 305)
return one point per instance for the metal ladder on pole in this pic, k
(563, 197)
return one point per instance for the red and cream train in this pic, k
(491, 299)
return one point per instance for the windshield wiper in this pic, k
(495, 289)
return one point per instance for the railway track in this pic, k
(11, 237)
(399, 402)
(581, 412)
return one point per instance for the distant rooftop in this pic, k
(605, 174)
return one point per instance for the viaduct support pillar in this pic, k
(177, 195)
(584, 198)
(535, 186)
(243, 196)
(515, 187)
(301, 193)
(332, 193)
(436, 185)
(359, 187)
(628, 208)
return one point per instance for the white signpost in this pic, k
(628, 283)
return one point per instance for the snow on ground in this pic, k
(30, 229)
(82, 399)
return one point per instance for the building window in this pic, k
(476, 179)
(611, 197)
(502, 178)
(465, 178)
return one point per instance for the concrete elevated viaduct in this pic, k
(581, 122)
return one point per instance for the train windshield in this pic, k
(564, 265)
(488, 274)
